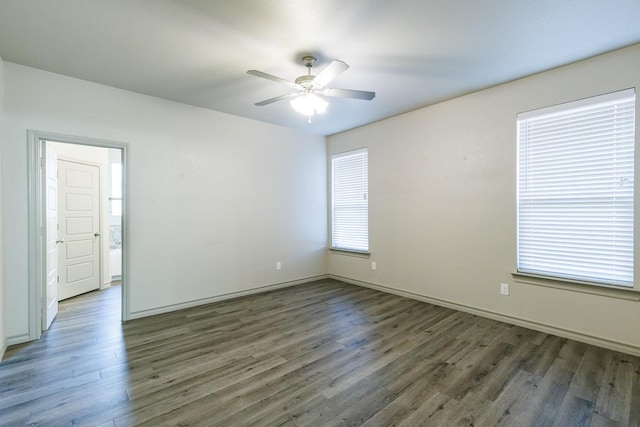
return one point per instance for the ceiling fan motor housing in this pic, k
(308, 61)
(305, 81)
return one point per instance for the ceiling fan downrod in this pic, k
(307, 81)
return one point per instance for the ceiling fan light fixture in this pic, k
(309, 104)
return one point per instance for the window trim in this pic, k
(595, 288)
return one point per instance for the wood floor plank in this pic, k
(506, 367)
(544, 406)
(167, 397)
(281, 404)
(574, 411)
(614, 400)
(318, 354)
(474, 372)
(512, 404)
(634, 398)
(392, 414)
(435, 411)
(70, 406)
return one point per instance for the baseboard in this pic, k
(222, 297)
(542, 327)
(18, 339)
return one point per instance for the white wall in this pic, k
(3, 332)
(442, 194)
(215, 200)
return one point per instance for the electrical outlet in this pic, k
(278, 265)
(373, 265)
(504, 289)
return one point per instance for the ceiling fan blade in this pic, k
(332, 71)
(274, 78)
(276, 99)
(348, 93)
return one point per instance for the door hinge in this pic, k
(58, 279)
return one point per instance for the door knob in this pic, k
(60, 241)
(96, 234)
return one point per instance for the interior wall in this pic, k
(97, 156)
(442, 200)
(214, 200)
(3, 332)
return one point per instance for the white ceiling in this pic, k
(412, 53)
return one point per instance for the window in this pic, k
(349, 201)
(575, 190)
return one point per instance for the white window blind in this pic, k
(575, 190)
(349, 201)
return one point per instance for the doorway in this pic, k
(75, 241)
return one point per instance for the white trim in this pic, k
(36, 257)
(230, 295)
(35, 143)
(610, 291)
(541, 327)
(604, 98)
(355, 152)
(17, 339)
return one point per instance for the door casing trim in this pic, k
(36, 150)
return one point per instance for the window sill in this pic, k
(577, 286)
(347, 252)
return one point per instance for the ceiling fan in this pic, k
(305, 99)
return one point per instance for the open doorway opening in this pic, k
(89, 212)
(77, 223)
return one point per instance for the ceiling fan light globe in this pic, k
(321, 105)
(309, 104)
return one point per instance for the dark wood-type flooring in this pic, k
(323, 353)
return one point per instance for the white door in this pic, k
(79, 219)
(50, 296)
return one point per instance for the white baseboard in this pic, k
(18, 339)
(174, 307)
(549, 329)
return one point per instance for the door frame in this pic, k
(36, 150)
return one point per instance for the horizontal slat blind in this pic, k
(575, 190)
(349, 204)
